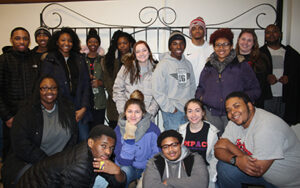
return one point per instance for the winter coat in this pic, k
(261, 69)
(99, 95)
(136, 152)
(212, 139)
(18, 75)
(123, 88)
(291, 90)
(187, 171)
(53, 66)
(26, 135)
(214, 87)
(173, 83)
(109, 80)
(68, 169)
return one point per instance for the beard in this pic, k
(272, 43)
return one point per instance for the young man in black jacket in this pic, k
(18, 74)
(80, 165)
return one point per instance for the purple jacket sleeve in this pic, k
(124, 149)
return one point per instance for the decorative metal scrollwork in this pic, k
(151, 21)
(148, 23)
(257, 17)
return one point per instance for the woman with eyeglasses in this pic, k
(224, 73)
(247, 46)
(65, 63)
(136, 138)
(45, 126)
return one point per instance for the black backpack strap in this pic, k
(188, 163)
(160, 164)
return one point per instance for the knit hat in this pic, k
(42, 30)
(198, 21)
(93, 34)
(176, 35)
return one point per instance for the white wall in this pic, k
(125, 12)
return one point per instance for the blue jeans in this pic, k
(83, 131)
(233, 177)
(100, 182)
(173, 120)
(132, 173)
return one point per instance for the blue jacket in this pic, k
(214, 87)
(53, 65)
(137, 152)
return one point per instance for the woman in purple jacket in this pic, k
(136, 138)
(224, 73)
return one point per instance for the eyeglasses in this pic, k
(224, 45)
(45, 89)
(166, 146)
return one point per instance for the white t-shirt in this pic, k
(268, 137)
(278, 65)
(197, 55)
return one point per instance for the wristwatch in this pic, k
(233, 160)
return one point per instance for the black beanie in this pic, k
(43, 30)
(176, 35)
(93, 34)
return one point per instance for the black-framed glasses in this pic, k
(224, 45)
(172, 145)
(45, 89)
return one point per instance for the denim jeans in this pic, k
(173, 120)
(100, 182)
(233, 177)
(83, 131)
(132, 173)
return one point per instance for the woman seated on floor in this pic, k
(45, 126)
(136, 138)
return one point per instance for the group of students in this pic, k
(69, 101)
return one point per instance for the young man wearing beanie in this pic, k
(197, 49)
(42, 36)
(173, 82)
(175, 165)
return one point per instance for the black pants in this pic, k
(98, 118)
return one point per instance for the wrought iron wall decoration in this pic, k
(151, 21)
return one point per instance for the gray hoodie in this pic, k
(173, 83)
(175, 173)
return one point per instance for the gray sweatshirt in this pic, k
(175, 173)
(173, 83)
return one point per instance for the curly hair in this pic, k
(169, 133)
(221, 33)
(110, 55)
(52, 43)
(132, 65)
